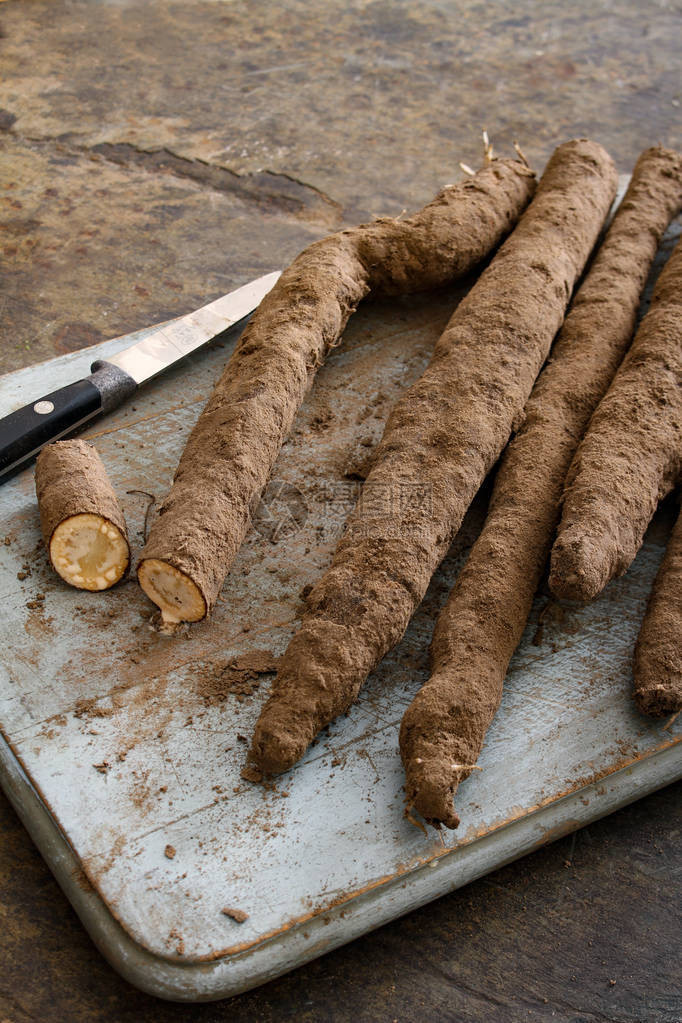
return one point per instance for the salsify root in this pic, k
(631, 455)
(237, 438)
(442, 437)
(82, 523)
(658, 653)
(483, 620)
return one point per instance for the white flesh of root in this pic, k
(178, 598)
(89, 552)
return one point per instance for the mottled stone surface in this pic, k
(155, 155)
(91, 249)
(373, 102)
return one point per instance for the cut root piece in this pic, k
(89, 552)
(82, 522)
(178, 598)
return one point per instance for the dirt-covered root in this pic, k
(658, 653)
(483, 620)
(477, 631)
(631, 455)
(82, 523)
(442, 437)
(233, 446)
(440, 743)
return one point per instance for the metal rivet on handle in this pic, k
(43, 408)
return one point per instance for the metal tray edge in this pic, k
(194, 982)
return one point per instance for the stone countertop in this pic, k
(157, 155)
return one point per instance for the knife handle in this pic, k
(24, 432)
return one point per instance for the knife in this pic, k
(24, 432)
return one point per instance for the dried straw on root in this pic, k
(82, 523)
(233, 446)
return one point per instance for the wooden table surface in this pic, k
(156, 155)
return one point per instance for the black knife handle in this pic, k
(24, 432)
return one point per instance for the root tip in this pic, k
(431, 788)
(577, 567)
(659, 701)
(275, 748)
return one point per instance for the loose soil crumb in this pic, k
(90, 708)
(174, 935)
(81, 879)
(239, 677)
(238, 915)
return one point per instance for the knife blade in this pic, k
(24, 432)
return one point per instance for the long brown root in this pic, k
(441, 439)
(484, 618)
(631, 455)
(233, 446)
(658, 653)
